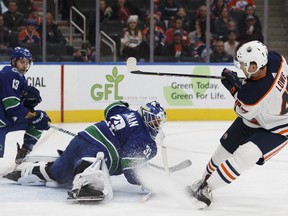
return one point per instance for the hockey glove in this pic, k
(231, 81)
(21, 154)
(41, 120)
(31, 97)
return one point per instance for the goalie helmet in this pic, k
(253, 51)
(154, 117)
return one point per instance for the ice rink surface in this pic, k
(262, 190)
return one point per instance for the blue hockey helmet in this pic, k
(20, 53)
(154, 117)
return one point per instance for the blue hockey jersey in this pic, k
(125, 140)
(12, 84)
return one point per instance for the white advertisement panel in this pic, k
(89, 87)
(47, 79)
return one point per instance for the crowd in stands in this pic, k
(21, 25)
(180, 31)
(179, 28)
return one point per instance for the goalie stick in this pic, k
(132, 68)
(184, 164)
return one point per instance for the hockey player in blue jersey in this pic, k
(261, 129)
(122, 143)
(17, 104)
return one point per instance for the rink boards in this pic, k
(80, 93)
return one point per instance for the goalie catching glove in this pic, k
(231, 81)
(31, 97)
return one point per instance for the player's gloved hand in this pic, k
(21, 154)
(31, 97)
(231, 81)
(41, 120)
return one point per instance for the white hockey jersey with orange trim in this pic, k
(264, 102)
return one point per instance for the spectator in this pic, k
(177, 48)
(158, 31)
(249, 11)
(123, 9)
(217, 7)
(25, 7)
(239, 5)
(232, 44)
(177, 25)
(185, 19)
(232, 26)
(237, 8)
(201, 19)
(252, 32)
(144, 47)
(13, 20)
(30, 34)
(196, 35)
(86, 54)
(221, 24)
(36, 16)
(131, 39)
(200, 50)
(54, 36)
(219, 54)
(168, 10)
(156, 12)
(105, 11)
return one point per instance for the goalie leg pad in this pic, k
(95, 178)
(33, 173)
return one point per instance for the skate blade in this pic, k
(85, 200)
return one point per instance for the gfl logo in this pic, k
(98, 92)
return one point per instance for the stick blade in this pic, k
(131, 64)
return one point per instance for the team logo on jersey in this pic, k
(147, 151)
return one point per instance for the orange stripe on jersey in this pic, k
(210, 166)
(227, 172)
(267, 157)
(272, 86)
(283, 132)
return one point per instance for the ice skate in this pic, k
(85, 195)
(201, 192)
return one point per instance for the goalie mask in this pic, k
(154, 117)
(253, 51)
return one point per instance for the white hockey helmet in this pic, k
(253, 51)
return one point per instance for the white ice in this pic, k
(262, 190)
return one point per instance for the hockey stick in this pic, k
(132, 68)
(184, 164)
(62, 130)
(172, 169)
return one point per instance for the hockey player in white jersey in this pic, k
(261, 129)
